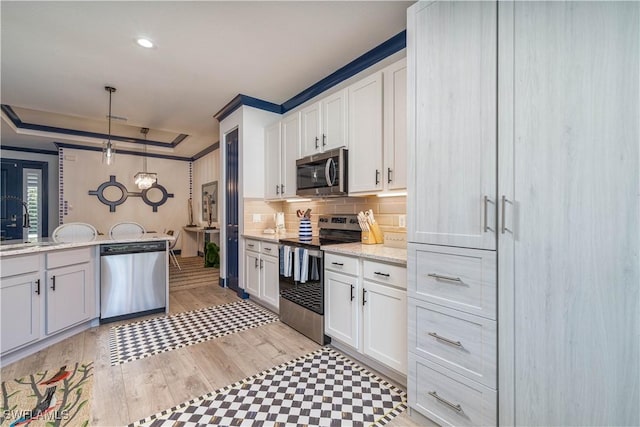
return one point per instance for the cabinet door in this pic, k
(272, 157)
(68, 296)
(568, 257)
(341, 315)
(384, 325)
(269, 274)
(310, 130)
(20, 315)
(334, 121)
(252, 273)
(365, 135)
(452, 124)
(290, 148)
(395, 126)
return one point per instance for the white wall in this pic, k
(206, 169)
(52, 161)
(84, 171)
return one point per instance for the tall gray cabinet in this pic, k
(524, 212)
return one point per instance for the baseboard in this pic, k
(394, 376)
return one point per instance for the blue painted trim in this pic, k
(249, 101)
(11, 114)
(375, 55)
(132, 153)
(28, 150)
(222, 282)
(206, 151)
(242, 294)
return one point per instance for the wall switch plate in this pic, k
(402, 221)
(257, 218)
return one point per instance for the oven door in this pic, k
(322, 174)
(302, 277)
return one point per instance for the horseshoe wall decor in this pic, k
(99, 192)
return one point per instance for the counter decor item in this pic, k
(190, 211)
(304, 229)
(209, 203)
(371, 233)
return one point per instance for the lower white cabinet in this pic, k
(342, 312)
(367, 313)
(261, 271)
(68, 290)
(20, 302)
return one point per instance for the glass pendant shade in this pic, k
(145, 180)
(108, 153)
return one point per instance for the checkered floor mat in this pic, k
(146, 338)
(323, 388)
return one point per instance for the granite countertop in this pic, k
(8, 248)
(375, 252)
(258, 235)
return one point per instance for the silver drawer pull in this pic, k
(456, 408)
(267, 249)
(448, 341)
(441, 277)
(381, 274)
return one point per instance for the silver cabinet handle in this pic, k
(281, 188)
(388, 175)
(316, 142)
(261, 264)
(324, 139)
(277, 189)
(456, 408)
(447, 340)
(504, 211)
(377, 177)
(486, 214)
(256, 263)
(441, 277)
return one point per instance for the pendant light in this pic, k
(145, 179)
(109, 148)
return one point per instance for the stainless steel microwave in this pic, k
(323, 175)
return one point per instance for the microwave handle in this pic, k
(327, 172)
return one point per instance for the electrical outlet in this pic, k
(257, 218)
(395, 240)
(402, 221)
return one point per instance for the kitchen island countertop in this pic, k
(375, 252)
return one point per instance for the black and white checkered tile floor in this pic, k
(146, 338)
(323, 388)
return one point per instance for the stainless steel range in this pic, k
(302, 274)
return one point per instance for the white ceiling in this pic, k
(58, 56)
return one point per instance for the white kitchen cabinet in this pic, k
(568, 277)
(452, 124)
(21, 297)
(366, 308)
(282, 144)
(569, 238)
(378, 131)
(365, 135)
(262, 272)
(384, 324)
(324, 124)
(70, 288)
(395, 126)
(342, 312)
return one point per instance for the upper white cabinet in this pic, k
(324, 124)
(282, 143)
(378, 131)
(395, 126)
(452, 124)
(365, 135)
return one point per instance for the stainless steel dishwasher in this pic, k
(133, 279)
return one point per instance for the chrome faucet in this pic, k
(26, 222)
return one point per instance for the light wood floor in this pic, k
(126, 393)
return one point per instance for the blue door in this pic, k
(232, 212)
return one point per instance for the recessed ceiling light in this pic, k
(145, 42)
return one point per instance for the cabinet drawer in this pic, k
(463, 279)
(269, 248)
(343, 264)
(395, 275)
(462, 342)
(448, 398)
(68, 257)
(252, 245)
(19, 264)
